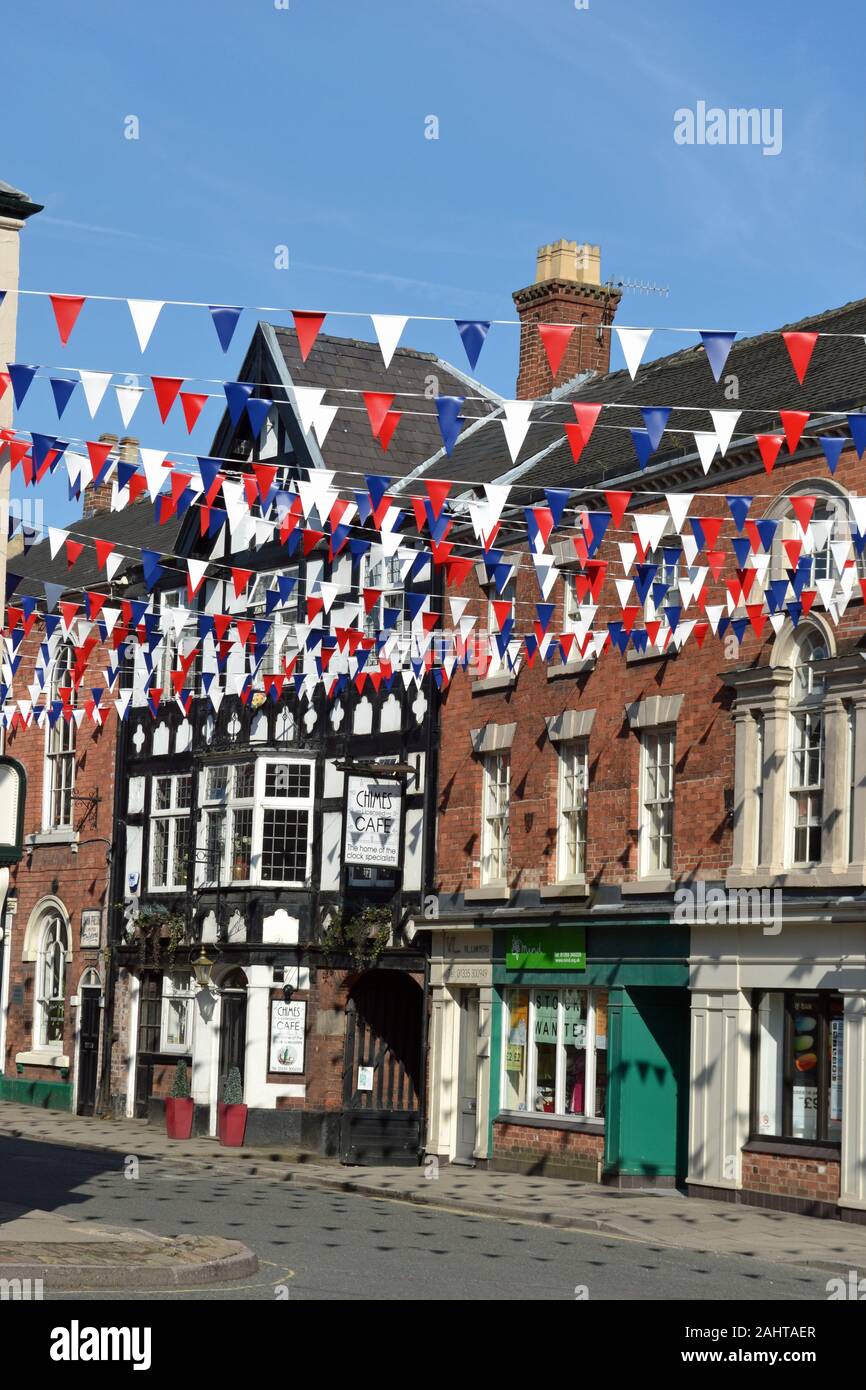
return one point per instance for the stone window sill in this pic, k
(575, 888)
(822, 876)
(633, 658)
(52, 837)
(489, 892)
(789, 1148)
(647, 885)
(484, 685)
(569, 668)
(42, 1059)
(540, 1119)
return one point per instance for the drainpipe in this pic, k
(431, 782)
(115, 892)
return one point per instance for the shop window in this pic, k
(51, 969)
(798, 1059)
(657, 802)
(555, 1052)
(170, 801)
(573, 786)
(178, 992)
(495, 772)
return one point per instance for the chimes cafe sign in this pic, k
(373, 817)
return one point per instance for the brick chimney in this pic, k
(98, 499)
(567, 289)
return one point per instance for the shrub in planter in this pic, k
(179, 1105)
(232, 1113)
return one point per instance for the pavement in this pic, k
(660, 1218)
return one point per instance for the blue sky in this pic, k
(305, 127)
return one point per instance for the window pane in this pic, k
(516, 1050)
(181, 850)
(600, 1004)
(771, 1043)
(160, 852)
(805, 1041)
(284, 845)
(287, 779)
(183, 792)
(574, 1029)
(217, 783)
(162, 794)
(242, 843)
(546, 1002)
(245, 781)
(215, 845)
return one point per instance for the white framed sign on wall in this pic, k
(288, 1026)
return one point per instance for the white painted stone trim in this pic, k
(492, 738)
(570, 724)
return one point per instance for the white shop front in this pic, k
(461, 991)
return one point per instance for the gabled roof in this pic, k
(835, 382)
(132, 530)
(346, 367)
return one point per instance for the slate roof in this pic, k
(132, 529)
(353, 363)
(835, 382)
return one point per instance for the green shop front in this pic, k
(589, 1051)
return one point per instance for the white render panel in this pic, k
(390, 717)
(135, 802)
(334, 780)
(133, 857)
(258, 1091)
(413, 849)
(161, 739)
(332, 851)
(279, 929)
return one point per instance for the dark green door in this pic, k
(646, 1134)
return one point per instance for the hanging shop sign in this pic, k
(288, 1027)
(546, 948)
(373, 818)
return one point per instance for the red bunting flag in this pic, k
(240, 580)
(793, 423)
(803, 507)
(617, 503)
(73, 551)
(390, 423)
(307, 327)
(5, 383)
(555, 338)
(166, 389)
(800, 348)
(265, 475)
(576, 441)
(137, 485)
(769, 445)
(98, 452)
(193, 405)
(378, 404)
(66, 308)
(103, 550)
(586, 417)
(371, 598)
(793, 549)
(437, 491)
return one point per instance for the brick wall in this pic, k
(562, 301)
(704, 768)
(79, 881)
(804, 1178)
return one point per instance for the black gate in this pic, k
(233, 1027)
(382, 1071)
(147, 1053)
(88, 1049)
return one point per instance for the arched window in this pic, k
(806, 767)
(51, 966)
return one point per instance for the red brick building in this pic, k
(650, 863)
(62, 726)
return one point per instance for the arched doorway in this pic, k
(89, 996)
(233, 1026)
(382, 1070)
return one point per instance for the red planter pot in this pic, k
(231, 1124)
(178, 1117)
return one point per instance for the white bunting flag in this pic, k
(706, 443)
(389, 330)
(724, 424)
(633, 342)
(56, 540)
(128, 398)
(153, 463)
(678, 506)
(145, 313)
(515, 423)
(95, 385)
